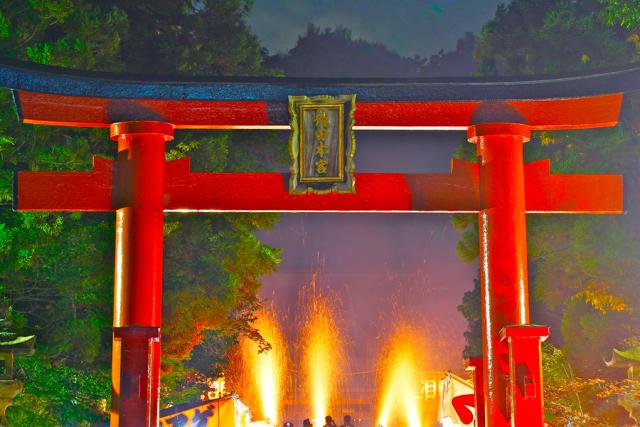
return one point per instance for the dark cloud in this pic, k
(410, 27)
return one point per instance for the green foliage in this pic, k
(558, 373)
(470, 309)
(179, 384)
(187, 379)
(4, 27)
(209, 37)
(213, 263)
(607, 150)
(206, 356)
(623, 12)
(69, 33)
(589, 401)
(334, 53)
(212, 273)
(583, 269)
(63, 299)
(468, 247)
(549, 36)
(59, 395)
(56, 269)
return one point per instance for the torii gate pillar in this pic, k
(138, 272)
(502, 230)
(140, 185)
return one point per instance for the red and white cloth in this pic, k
(457, 402)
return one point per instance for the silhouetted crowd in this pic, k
(328, 422)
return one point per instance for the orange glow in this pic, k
(321, 344)
(263, 385)
(400, 365)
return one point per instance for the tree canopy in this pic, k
(583, 270)
(334, 53)
(56, 269)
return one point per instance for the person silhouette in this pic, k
(347, 421)
(306, 423)
(328, 422)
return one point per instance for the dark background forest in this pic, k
(56, 269)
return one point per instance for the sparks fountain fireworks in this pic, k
(401, 364)
(262, 375)
(322, 356)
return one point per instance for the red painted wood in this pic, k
(571, 113)
(66, 191)
(136, 385)
(78, 111)
(60, 110)
(138, 271)
(413, 114)
(568, 193)
(144, 185)
(195, 114)
(455, 192)
(140, 191)
(526, 403)
(503, 253)
(458, 190)
(269, 192)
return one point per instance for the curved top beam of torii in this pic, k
(57, 96)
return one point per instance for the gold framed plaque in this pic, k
(322, 144)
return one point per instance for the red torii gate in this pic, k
(140, 185)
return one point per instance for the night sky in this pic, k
(409, 27)
(378, 264)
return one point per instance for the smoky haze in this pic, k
(381, 268)
(379, 264)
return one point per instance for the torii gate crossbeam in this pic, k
(498, 116)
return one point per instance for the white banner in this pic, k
(457, 402)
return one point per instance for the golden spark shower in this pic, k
(264, 383)
(401, 363)
(322, 355)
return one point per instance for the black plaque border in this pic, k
(347, 183)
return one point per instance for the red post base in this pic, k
(139, 373)
(526, 403)
(137, 308)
